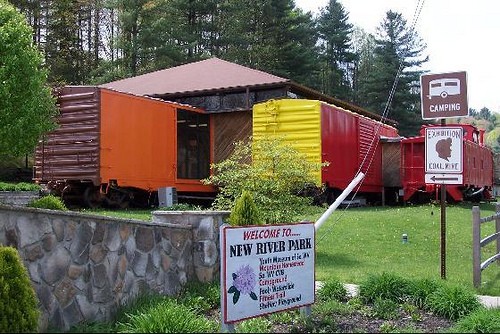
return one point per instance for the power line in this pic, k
(370, 154)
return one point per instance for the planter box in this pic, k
(18, 198)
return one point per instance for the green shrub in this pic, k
(254, 325)
(389, 327)
(18, 301)
(356, 303)
(21, 186)
(25, 186)
(275, 174)
(413, 311)
(140, 304)
(482, 320)
(332, 289)
(244, 212)
(452, 302)
(322, 324)
(385, 309)
(166, 317)
(48, 202)
(201, 297)
(385, 286)
(323, 309)
(89, 327)
(285, 317)
(420, 289)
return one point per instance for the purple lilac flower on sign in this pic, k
(244, 280)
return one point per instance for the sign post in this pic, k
(444, 96)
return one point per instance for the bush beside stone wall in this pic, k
(83, 266)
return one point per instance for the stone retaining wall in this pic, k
(84, 266)
(20, 198)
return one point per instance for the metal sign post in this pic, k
(443, 96)
(443, 224)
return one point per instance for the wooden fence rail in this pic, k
(477, 242)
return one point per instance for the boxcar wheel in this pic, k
(118, 199)
(331, 196)
(92, 197)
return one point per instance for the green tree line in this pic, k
(485, 120)
(97, 41)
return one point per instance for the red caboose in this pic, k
(477, 168)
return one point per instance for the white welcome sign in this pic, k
(266, 269)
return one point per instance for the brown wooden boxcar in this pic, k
(116, 148)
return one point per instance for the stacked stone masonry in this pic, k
(18, 198)
(83, 266)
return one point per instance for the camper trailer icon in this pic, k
(444, 87)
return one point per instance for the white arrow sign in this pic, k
(444, 178)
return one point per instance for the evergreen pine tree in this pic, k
(18, 302)
(337, 58)
(64, 53)
(396, 45)
(270, 36)
(244, 212)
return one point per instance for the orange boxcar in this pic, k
(119, 148)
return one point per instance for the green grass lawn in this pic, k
(357, 242)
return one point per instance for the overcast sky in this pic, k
(460, 36)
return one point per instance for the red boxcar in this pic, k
(121, 148)
(352, 142)
(477, 168)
